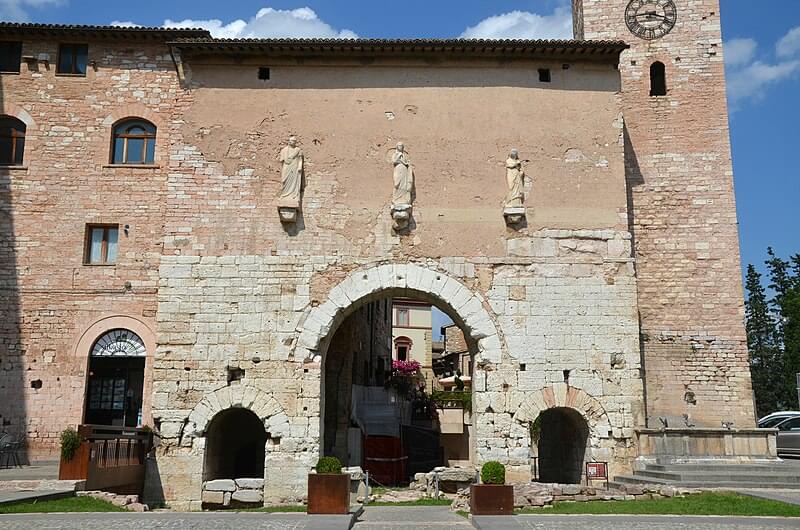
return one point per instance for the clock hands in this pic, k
(651, 15)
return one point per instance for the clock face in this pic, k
(651, 19)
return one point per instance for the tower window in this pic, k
(658, 79)
(263, 73)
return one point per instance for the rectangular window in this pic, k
(101, 244)
(544, 75)
(402, 317)
(72, 59)
(10, 57)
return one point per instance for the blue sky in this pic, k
(762, 50)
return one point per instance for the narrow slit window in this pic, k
(658, 79)
(101, 244)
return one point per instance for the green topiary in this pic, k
(493, 473)
(329, 465)
(70, 441)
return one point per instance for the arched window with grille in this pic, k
(12, 141)
(658, 79)
(134, 142)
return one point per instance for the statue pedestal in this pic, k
(401, 213)
(288, 214)
(514, 216)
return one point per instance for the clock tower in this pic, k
(681, 206)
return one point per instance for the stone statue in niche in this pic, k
(514, 210)
(402, 197)
(291, 158)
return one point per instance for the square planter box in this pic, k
(491, 499)
(329, 494)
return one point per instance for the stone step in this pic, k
(769, 468)
(633, 479)
(766, 476)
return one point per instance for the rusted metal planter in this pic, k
(491, 499)
(328, 494)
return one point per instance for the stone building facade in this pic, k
(616, 297)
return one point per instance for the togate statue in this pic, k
(291, 157)
(402, 197)
(514, 210)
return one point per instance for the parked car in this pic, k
(771, 420)
(789, 436)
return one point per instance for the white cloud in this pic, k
(523, 25)
(17, 10)
(789, 44)
(752, 80)
(269, 23)
(125, 24)
(750, 76)
(740, 51)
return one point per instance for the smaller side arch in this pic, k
(262, 404)
(15, 111)
(561, 395)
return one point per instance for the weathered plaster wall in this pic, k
(458, 133)
(49, 298)
(683, 217)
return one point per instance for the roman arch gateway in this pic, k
(252, 207)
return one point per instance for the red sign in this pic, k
(597, 470)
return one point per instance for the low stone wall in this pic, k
(535, 495)
(450, 479)
(224, 493)
(129, 502)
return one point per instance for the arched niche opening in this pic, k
(235, 446)
(658, 79)
(560, 436)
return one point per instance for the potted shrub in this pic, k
(328, 488)
(74, 463)
(492, 496)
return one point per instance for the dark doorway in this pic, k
(235, 446)
(563, 434)
(116, 380)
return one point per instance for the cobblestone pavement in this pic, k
(408, 518)
(172, 521)
(381, 519)
(630, 522)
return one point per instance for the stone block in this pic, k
(220, 485)
(250, 483)
(248, 496)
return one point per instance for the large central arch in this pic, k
(465, 307)
(407, 280)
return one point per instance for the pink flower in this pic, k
(406, 368)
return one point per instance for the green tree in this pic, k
(765, 354)
(785, 305)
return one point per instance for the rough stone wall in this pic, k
(555, 295)
(49, 297)
(683, 216)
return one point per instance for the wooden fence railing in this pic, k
(109, 459)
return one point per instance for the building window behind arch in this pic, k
(658, 79)
(134, 142)
(402, 346)
(12, 141)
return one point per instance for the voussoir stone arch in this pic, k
(262, 404)
(466, 307)
(561, 395)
